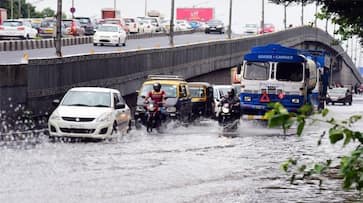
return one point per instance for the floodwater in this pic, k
(184, 164)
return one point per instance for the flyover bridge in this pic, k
(36, 83)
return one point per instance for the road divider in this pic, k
(18, 45)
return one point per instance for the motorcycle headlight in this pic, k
(140, 108)
(171, 109)
(151, 107)
(106, 117)
(225, 110)
(295, 100)
(247, 98)
(55, 116)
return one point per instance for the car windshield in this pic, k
(129, 20)
(197, 92)
(47, 24)
(170, 90)
(107, 28)
(338, 90)
(222, 90)
(84, 20)
(12, 23)
(112, 22)
(251, 26)
(257, 71)
(67, 23)
(214, 22)
(87, 98)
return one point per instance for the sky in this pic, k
(243, 12)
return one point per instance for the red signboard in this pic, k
(195, 14)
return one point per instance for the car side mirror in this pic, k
(55, 102)
(120, 106)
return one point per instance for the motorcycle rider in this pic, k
(233, 101)
(157, 95)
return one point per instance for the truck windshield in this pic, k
(289, 72)
(257, 71)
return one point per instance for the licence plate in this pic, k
(213, 28)
(48, 31)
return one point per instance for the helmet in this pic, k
(157, 87)
(231, 92)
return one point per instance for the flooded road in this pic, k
(185, 164)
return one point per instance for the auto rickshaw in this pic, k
(178, 104)
(202, 99)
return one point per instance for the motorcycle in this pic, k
(227, 117)
(153, 117)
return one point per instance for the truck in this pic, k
(195, 14)
(3, 15)
(274, 73)
(110, 13)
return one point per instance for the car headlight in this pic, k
(55, 116)
(219, 26)
(106, 117)
(171, 109)
(247, 98)
(295, 100)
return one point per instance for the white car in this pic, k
(220, 91)
(146, 26)
(132, 24)
(90, 112)
(250, 29)
(17, 29)
(110, 34)
(183, 25)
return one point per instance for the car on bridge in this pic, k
(86, 24)
(110, 34)
(90, 112)
(178, 104)
(17, 29)
(339, 95)
(215, 26)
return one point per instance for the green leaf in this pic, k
(300, 128)
(318, 168)
(348, 136)
(324, 112)
(335, 135)
(302, 168)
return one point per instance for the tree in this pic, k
(351, 166)
(48, 12)
(346, 14)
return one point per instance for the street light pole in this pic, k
(58, 42)
(19, 9)
(316, 12)
(12, 9)
(145, 7)
(72, 8)
(263, 16)
(114, 5)
(230, 20)
(171, 37)
(302, 13)
(285, 15)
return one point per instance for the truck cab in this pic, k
(274, 73)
